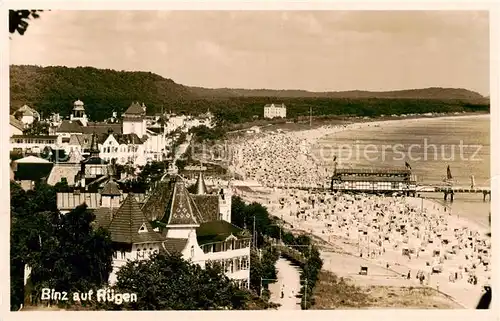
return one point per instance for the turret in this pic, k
(201, 188)
(110, 195)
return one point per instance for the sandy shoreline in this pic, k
(271, 158)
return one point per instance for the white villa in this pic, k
(274, 111)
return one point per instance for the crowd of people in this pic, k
(281, 159)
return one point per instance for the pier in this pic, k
(452, 190)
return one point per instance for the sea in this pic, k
(429, 146)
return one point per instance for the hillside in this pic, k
(425, 93)
(53, 89)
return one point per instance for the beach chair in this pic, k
(363, 270)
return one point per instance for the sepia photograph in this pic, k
(249, 160)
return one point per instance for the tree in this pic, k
(167, 282)
(37, 128)
(64, 252)
(76, 258)
(18, 20)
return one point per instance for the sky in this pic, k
(309, 50)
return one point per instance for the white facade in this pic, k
(274, 111)
(32, 144)
(141, 251)
(134, 126)
(123, 153)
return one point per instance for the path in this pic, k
(289, 277)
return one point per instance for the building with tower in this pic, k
(134, 120)
(167, 219)
(78, 113)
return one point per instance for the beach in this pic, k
(402, 241)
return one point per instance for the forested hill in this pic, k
(425, 93)
(53, 89)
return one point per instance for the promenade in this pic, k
(289, 282)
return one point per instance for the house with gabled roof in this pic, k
(197, 219)
(169, 219)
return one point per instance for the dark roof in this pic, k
(129, 139)
(16, 123)
(128, 220)
(71, 127)
(216, 231)
(134, 109)
(201, 188)
(174, 245)
(95, 160)
(157, 202)
(347, 178)
(35, 136)
(111, 189)
(208, 205)
(103, 216)
(103, 129)
(373, 171)
(182, 209)
(32, 171)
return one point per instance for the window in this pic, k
(115, 255)
(143, 228)
(139, 254)
(192, 251)
(122, 255)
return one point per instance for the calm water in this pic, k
(429, 146)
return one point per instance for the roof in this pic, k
(348, 178)
(28, 111)
(75, 157)
(275, 105)
(373, 171)
(208, 205)
(134, 109)
(16, 123)
(31, 171)
(157, 202)
(68, 201)
(174, 245)
(78, 103)
(103, 129)
(111, 189)
(82, 140)
(201, 188)
(68, 171)
(68, 126)
(103, 216)
(32, 160)
(182, 209)
(216, 231)
(128, 221)
(35, 136)
(128, 139)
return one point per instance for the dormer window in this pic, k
(143, 228)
